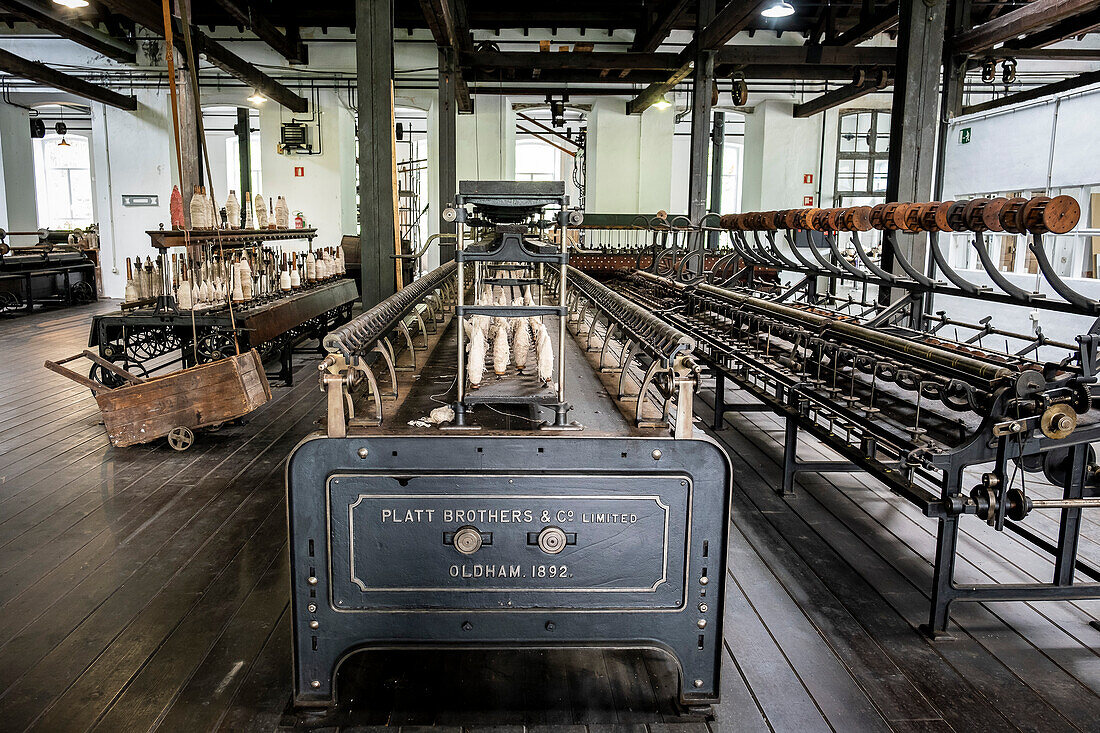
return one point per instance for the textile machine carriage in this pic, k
(887, 387)
(564, 501)
(59, 269)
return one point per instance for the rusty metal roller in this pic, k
(819, 221)
(729, 221)
(894, 215)
(804, 218)
(790, 218)
(878, 211)
(933, 216)
(859, 219)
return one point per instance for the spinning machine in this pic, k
(563, 502)
(955, 426)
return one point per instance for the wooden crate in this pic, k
(196, 397)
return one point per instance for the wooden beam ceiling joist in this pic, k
(869, 26)
(70, 27)
(843, 95)
(1058, 87)
(447, 21)
(1019, 22)
(661, 16)
(290, 48)
(747, 55)
(237, 67)
(730, 20)
(42, 74)
(148, 14)
(1076, 26)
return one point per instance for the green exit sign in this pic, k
(964, 136)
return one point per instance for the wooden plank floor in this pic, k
(146, 589)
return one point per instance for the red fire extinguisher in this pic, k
(299, 220)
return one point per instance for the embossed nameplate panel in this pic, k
(508, 541)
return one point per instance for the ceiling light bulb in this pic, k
(257, 98)
(72, 3)
(779, 9)
(662, 103)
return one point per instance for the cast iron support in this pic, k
(448, 166)
(914, 121)
(377, 228)
(718, 140)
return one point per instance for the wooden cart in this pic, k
(176, 404)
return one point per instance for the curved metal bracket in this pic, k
(1035, 243)
(995, 275)
(890, 237)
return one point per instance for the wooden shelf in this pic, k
(165, 238)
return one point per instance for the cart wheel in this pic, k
(10, 301)
(81, 292)
(181, 438)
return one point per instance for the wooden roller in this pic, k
(1055, 215)
(1011, 218)
(991, 214)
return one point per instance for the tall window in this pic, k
(862, 157)
(537, 161)
(731, 175)
(63, 181)
(233, 165)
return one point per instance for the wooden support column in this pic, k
(377, 220)
(914, 120)
(189, 111)
(717, 152)
(702, 88)
(243, 129)
(447, 142)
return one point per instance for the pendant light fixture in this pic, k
(778, 9)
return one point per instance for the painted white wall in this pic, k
(1048, 144)
(630, 158)
(320, 194)
(131, 154)
(486, 141)
(17, 155)
(779, 150)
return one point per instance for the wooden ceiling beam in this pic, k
(843, 95)
(869, 26)
(149, 15)
(447, 21)
(1077, 26)
(42, 74)
(1034, 16)
(292, 49)
(1058, 87)
(68, 25)
(730, 20)
(660, 17)
(235, 66)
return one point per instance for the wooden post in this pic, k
(377, 219)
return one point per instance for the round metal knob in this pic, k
(467, 540)
(450, 213)
(552, 540)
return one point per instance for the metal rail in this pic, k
(361, 334)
